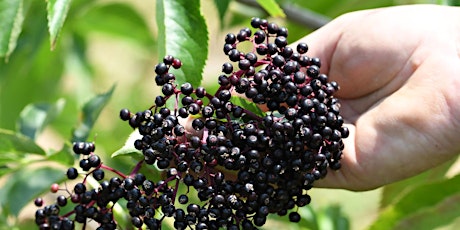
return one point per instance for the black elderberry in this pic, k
(186, 88)
(256, 22)
(315, 61)
(197, 124)
(98, 174)
(94, 160)
(230, 38)
(281, 41)
(125, 114)
(187, 100)
(72, 173)
(262, 49)
(227, 48)
(168, 59)
(85, 164)
(259, 36)
(167, 89)
(287, 52)
(283, 31)
(160, 101)
(79, 188)
(294, 217)
(244, 64)
(278, 61)
(193, 108)
(272, 28)
(234, 55)
(227, 68)
(272, 48)
(161, 68)
(183, 199)
(137, 222)
(224, 95)
(302, 48)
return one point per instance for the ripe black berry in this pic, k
(276, 155)
(72, 173)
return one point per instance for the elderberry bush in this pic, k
(237, 166)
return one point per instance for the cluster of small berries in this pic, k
(239, 165)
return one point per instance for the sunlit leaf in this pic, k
(433, 217)
(393, 192)
(27, 184)
(34, 117)
(90, 113)
(423, 196)
(64, 156)
(182, 32)
(11, 142)
(128, 149)
(116, 19)
(57, 12)
(272, 7)
(33, 72)
(11, 18)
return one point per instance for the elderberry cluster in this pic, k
(237, 166)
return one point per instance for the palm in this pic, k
(398, 71)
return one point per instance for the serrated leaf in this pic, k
(222, 6)
(116, 19)
(27, 184)
(11, 142)
(90, 113)
(272, 7)
(182, 32)
(423, 196)
(128, 149)
(57, 12)
(11, 18)
(245, 104)
(34, 117)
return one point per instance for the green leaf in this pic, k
(332, 217)
(128, 149)
(64, 156)
(393, 192)
(245, 104)
(222, 6)
(34, 117)
(421, 197)
(183, 33)
(116, 19)
(90, 113)
(434, 217)
(272, 8)
(33, 72)
(11, 18)
(57, 12)
(27, 184)
(11, 142)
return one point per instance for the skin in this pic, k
(399, 73)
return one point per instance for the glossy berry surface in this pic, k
(271, 156)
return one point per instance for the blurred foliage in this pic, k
(54, 89)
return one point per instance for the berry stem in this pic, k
(113, 170)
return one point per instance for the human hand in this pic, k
(399, 73)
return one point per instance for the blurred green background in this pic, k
(63, 84)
